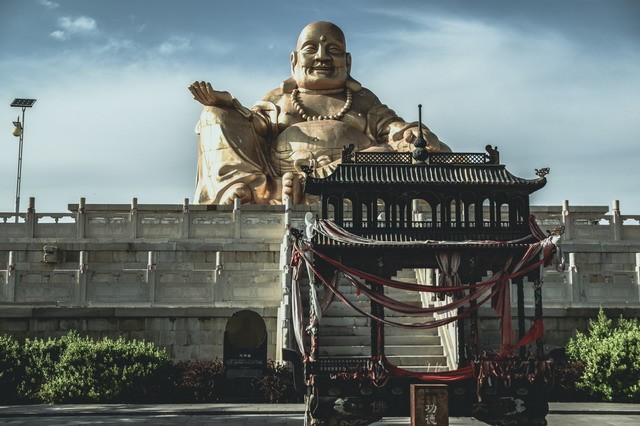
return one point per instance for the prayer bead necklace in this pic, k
(297, 104)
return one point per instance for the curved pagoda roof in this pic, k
(393, 168)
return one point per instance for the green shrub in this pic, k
(11, 370)
(611, 358)
(105, 371)
(39, 361)
(198, 381)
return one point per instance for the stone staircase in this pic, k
(345, 333)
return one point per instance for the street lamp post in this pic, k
(18, 131)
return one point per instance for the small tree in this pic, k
(611, 358)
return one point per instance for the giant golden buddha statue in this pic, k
(257, 155)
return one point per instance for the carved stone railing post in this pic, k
(567, 220)
(186, 219)
(218, 278)
(31, 219)
(133, 218)
(10, 289)
(81, 218)
(237, 218)
(616, 220)
(151, 275)
(83, 266)
(573, 281)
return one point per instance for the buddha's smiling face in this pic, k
(320, 61)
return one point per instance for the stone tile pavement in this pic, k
(569, 414)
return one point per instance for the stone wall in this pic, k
(186, 333)
(106, 268)
(560, 324)
(168, 274)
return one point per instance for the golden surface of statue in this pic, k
(257, 155)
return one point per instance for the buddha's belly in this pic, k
(314, 143)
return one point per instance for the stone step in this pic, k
(402, 351)
(365, 339)
(411, 350)
(406, 273)
(345, 333)
(339, 309)
(428, 369)
(417, 360)
(329, 321)
(353, 330)
(339, 321)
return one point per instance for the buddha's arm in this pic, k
(386, 127)
(204, 93)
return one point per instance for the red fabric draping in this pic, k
(444, 376)
(396, 284)
(533, 250)
(499, 293)
(502, 304)
(535, 332)
(419, 325)
(409, 309)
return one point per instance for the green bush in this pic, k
(76, 369)
(105, 371)
(39, 359)
(11, 370)
(611, 358)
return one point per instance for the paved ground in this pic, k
(562, 414)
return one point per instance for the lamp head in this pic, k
(17, 128)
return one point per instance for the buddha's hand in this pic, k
(204, 93)
(410, 135)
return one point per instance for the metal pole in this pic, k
(19, 177)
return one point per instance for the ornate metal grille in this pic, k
(459, 158)
(383, 157)
(342, 365)
(433, 158)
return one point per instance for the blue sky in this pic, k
(552, 84)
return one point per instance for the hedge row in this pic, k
(76, 369)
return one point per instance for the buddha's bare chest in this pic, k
(318, 106)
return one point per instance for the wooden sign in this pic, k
(429, 405)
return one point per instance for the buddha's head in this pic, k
(320, 60)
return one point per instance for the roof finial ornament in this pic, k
(543, 172)
(420, 153)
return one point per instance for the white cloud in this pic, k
(115, 45)
(81, 24)
(49, 4)
(175, 44)
(59, 35)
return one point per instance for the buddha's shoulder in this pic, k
(366, 97)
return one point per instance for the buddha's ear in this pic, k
(294, 59)
(348, 63)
